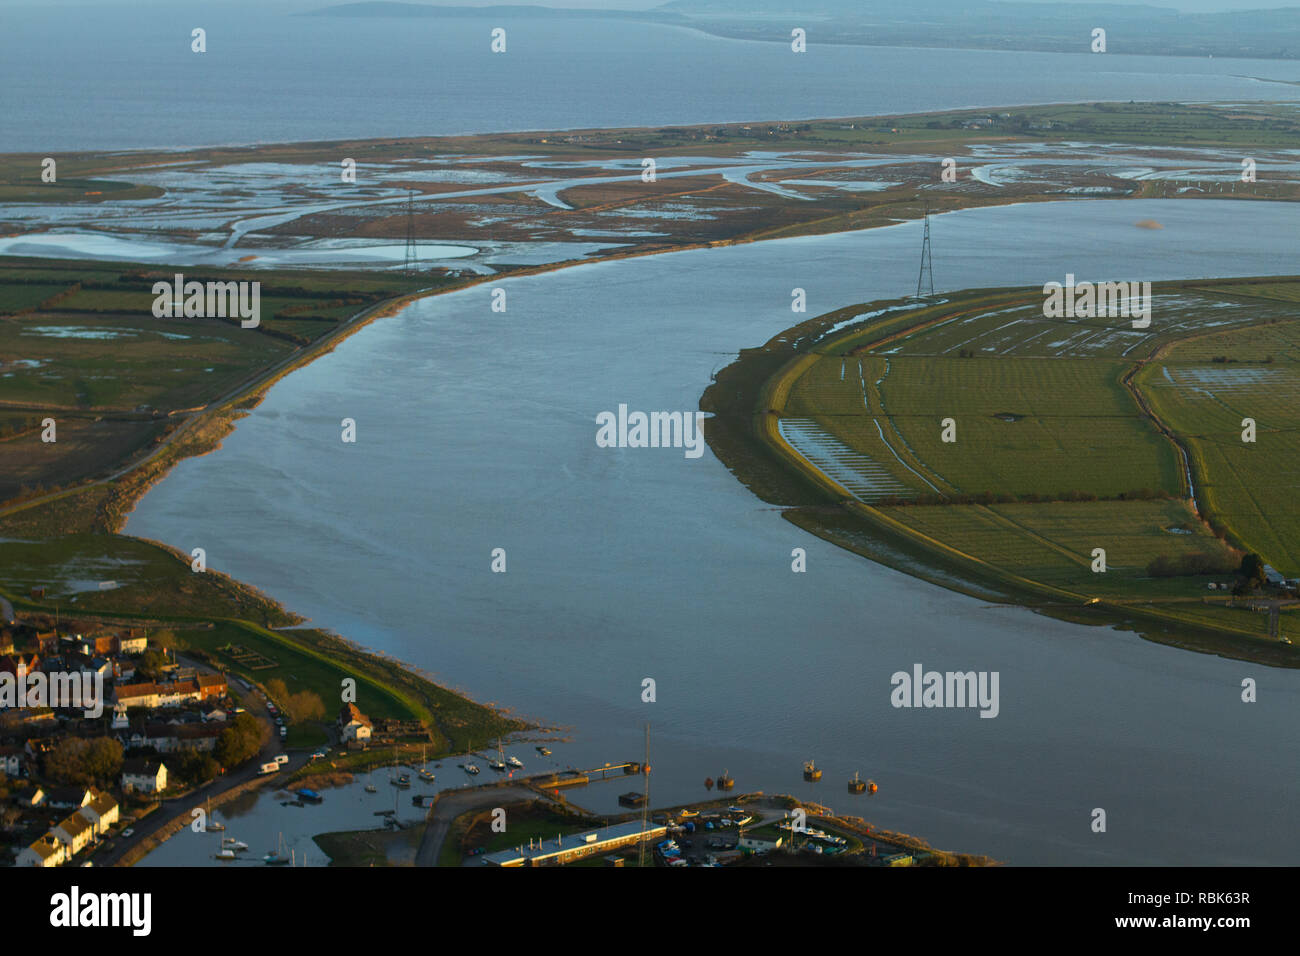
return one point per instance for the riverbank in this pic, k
(991, 539)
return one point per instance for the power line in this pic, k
(927, 267)
(410, 261)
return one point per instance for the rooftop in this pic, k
(592, 841)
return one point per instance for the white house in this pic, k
(353, 725)
(47, 851)
(132, 642)
(70, 798)
(101, 813)
(73, 831)
(144, 776)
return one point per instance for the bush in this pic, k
(1193, 563)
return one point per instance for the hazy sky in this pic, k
(1198, 6)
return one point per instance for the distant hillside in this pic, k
(989, 24)
(388, 8)
(972, 24)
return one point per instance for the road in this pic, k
(173, 807)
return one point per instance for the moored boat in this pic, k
(278, 857)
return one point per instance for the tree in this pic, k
(302, 706)
(85, 763)
(1252, 571)
(151, 663)
(305, 706)
(193, 766)
(240, 741)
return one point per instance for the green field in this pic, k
(1069, 437)
(132, 395)
(79, 343)
(210, 613)
(1249, 488)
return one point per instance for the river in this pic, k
(476, 430)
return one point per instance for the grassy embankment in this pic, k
(524, 821)
(174, 388)
(1054, 456)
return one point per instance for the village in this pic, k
(73, 784)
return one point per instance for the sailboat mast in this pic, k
(645, 805)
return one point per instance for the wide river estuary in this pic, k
(476, 430)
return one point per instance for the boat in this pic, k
(279, 857)
(424, 766)
(857, 785)
(811, 773)
(427, 775)
(224, 852)
(708, 783)
(214, 825)
(686, 814)
(309, 796)
(469, 768)
(370, 781)
(724, 782)
(234, 845)
(871, 786)
(515, 762)
(499, 765)
(544, 751)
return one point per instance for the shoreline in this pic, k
(747, 399)
(221, 417)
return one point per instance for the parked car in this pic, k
(127, 833)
